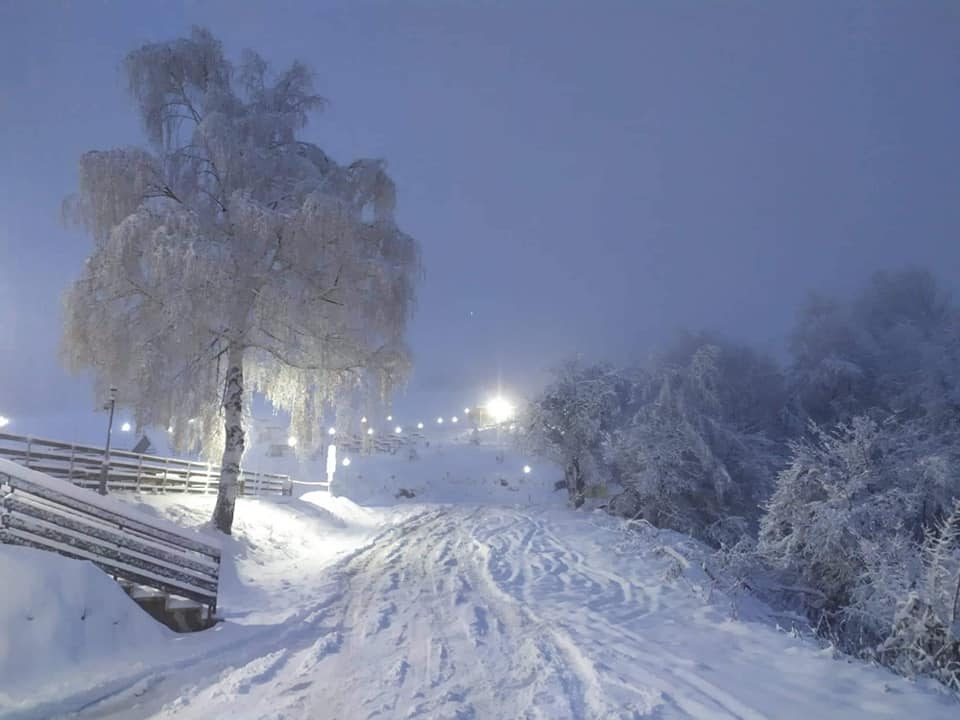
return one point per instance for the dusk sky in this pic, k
(584, 178)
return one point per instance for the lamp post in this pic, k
(105, 468)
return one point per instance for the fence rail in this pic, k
(41, 512)
(81, 465)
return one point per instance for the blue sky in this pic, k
(583, 177)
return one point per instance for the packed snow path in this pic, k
(493, 612)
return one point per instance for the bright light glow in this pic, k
(527, 469)
(369, 431)
(454, 419)
(170, 428)
(364, 420)
(398, 429)
(191, 421)
(420, 426)
(346, 462)
(125, 427)
(332, 431)
(466, 411)
(500, 409)
(292, 441)
(389, 418)
(439, 421)
(4, 421)
(512, 428)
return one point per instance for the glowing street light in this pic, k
(527, 469)
(466, 411)
(170, 429)
(454, 419)
(332, 431)
(346, 462)
(363, 420)
(419, 426)
(389, 418)
(439, 421)
(4, 421)
(500, 409)
(369, 431)
(292, 441)
(398, 430)
(125, 427)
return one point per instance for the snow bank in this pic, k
(450, 471)
(64, 622)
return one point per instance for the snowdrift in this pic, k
(64, 621)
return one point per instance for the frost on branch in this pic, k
(231, 237)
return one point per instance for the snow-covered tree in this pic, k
(572, 419)
(231, 257)
(896, 348)
(702, 443)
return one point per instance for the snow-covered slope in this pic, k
(475, 610)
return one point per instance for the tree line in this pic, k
(829, 483)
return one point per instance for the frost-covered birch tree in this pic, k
(232, 257)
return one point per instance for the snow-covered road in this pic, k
(496, 612)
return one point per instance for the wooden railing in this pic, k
(81, 465)
(46, 513)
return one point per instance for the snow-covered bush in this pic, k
(850, 527)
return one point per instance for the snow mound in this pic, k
(64, 620)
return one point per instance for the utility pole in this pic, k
(105, 468)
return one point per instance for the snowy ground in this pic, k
(502, 605)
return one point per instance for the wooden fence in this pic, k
(81, 465)
(45, 513)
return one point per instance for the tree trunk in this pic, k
(234, 442)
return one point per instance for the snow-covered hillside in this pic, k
(503, 604)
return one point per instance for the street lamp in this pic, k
(125, 427)
(527, 469)
(454, 419)
(500, 409)
(419, 426)
(397, 430)
(292, 441)
(332, 431)
(439, 421)
(4, 421)
(105, 467)
(346, 462)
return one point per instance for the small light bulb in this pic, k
(527, 469)
(466, 411)
(369, 431)
(364, 419)
(398, 429)
(292, 441)
(439, 421)
(389, 418)
(454, 419)
(419, 426)
(170, 428)
(332, 431)
(346, 462)
(125, 427)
